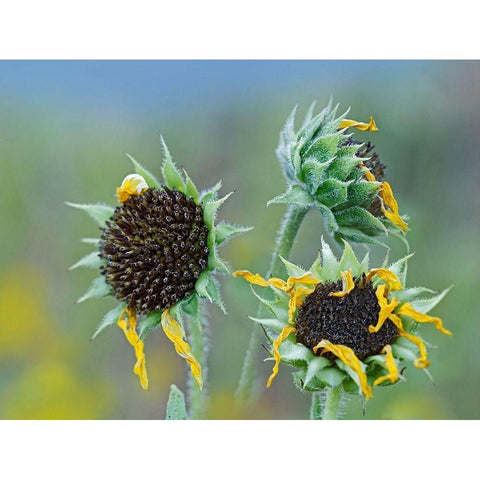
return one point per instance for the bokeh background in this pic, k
(64, 129)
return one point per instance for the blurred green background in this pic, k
(64, 128)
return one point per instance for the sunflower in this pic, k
(342, 323)
(156, 255)
(327, 169)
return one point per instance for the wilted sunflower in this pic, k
(342, 323)
(326, 168)
(156, 256)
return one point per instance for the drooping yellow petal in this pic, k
(370, 126)
(256, 279)
(386, 308)
(388, 200)
(387, 276)
(407, 309)
(132, 184)
(286, 331)
(280, 284)
(422, 361)
(347, 356)
(348, 284)
(390, 365)
(129, 329)
(307, 279)
(296, 300)
(175, 334)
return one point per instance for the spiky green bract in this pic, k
(323, 172)
(176, 409)
(314, 373)
(206, 286)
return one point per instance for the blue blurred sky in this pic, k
(145, 85)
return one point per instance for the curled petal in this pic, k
(256, 279)
(387, 276)
(348, 284)
(307, 279)
(388, 200)
(347, 356)
(407, 309)
(370, 126)
(386, 308)
(286, 331)
(422, 361)
(369, 175)
(390, 365)
(129, 329)
(132, 184)
(175, 334)
(280, 284)
(296, 300)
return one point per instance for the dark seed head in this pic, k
(375, 166)
(153, 260)
(344, 320)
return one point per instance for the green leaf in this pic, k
(314, 367)
(92, 260)
(425, 305)
(150, 322)
(312, 173)
(206, 287)
(277, 307)
(295, 352)
(109, 319)
(100, 213)
(328, 218)
(210, 210)
(98, 288)
(323, 148)
(292, 269)
(295, 195)
(149, 178)
(349, 260)
(176, 409)
(191, 189)
(360, 218)
(331, 376)
(216, 263)
(225, 231)
(272, 323)
(409, 294)
(362, 193)
(356, 235)
(211, 193)
(330, 266)
(332, 192)
(172, 176)
(342, 166)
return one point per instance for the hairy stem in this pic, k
(333, 400)
(316, 407)
(198, 323)
(288, 230)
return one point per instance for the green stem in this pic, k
(288, 230)
(196, 338)
(333, 400)
(316, 407)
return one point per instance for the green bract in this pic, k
(323, 169)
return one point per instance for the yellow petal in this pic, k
(407, 309)
(296, 300)
(348, 284)
(369, 175)
(307, 279)
(280, 284)
(176, 335)
(256, 279)
(387, 276)
(347, 356)
(390, 365)
(386, 308)
(132, 184)
(370, 126)
(129, 329)
(422, 361)
(389, 201)
(286, 331)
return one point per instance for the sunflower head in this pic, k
(157, 253)
(341, 323)
(327, 169)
